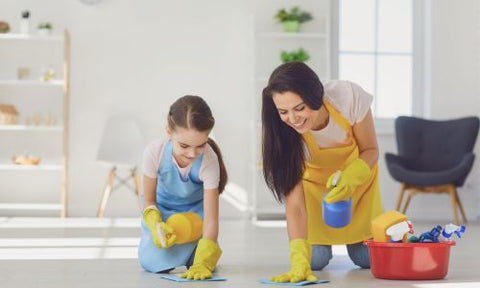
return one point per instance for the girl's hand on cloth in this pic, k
(163, 236)
(197, 272)
(300, 257)
(206, 258)
(355, 174)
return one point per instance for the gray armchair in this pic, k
(433, 157)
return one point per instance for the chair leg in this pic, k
(106, 193)
(464, 218)
(403, 186)
(136, 181)
(410, 194)
(454, 204)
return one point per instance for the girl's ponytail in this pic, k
(223, 170)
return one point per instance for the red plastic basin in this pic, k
(408, 261)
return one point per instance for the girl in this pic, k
(183, 177)
(308, 134)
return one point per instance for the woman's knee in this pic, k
(359, 254)
(321, 255)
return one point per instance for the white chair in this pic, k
(121, 148)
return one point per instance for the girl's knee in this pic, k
(321, 256)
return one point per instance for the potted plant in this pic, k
(292, 19)
(300, 55)
(44, 28)
(4, 27)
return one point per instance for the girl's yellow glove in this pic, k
(163, 236)
(300, 258)
(206, 258)
(351, 177)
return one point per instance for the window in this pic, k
(376, 50)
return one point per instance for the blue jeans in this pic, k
(189, 263)
(321, 255)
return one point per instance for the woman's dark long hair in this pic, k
(282, 146)
(192, 112)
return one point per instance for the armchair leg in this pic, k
(403, 186)
(464, 218)
(453, 196)
(410, 194)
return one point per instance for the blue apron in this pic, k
(174, 195)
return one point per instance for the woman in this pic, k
(309, 133)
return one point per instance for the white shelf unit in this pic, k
(49, 142)
(58, 83)
(268, 42)
(29, 206)
(289, 35)
(31, 128)
(41, 167)
(29, 37)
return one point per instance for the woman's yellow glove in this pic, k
(163, 236)
(206, 258)
(300, 258)
(351, 177)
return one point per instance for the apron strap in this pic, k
(311, 144)
(338, 117)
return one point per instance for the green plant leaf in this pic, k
(299, 55)
(295, 14)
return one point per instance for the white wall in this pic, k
(455, 58)
(454, 54)
(138, 56)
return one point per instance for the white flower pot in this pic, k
(44, 32)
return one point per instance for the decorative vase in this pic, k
(24, 25)
(291, 26)
(44, 31)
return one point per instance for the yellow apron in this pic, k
(366, 204)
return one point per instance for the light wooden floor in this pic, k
(50, 252)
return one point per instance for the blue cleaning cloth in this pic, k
(303, 283)
(178, 279)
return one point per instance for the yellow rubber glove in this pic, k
(351, 177)
(300, 258)
(206, 258)
(163, 236)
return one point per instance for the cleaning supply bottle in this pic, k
(397, 232)
(337, 214)
(450, 229)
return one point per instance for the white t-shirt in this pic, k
(209, 170)
(352, 102)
